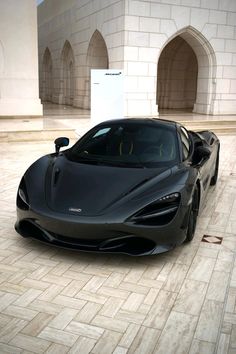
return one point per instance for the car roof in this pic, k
(141, 121)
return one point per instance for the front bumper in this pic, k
(102, 234)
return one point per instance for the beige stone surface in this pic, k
(58, 301)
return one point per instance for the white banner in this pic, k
(107, 95)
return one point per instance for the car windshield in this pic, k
(127, 145)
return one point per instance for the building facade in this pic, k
(176, 54)
(19, 85)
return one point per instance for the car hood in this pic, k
(86, 189)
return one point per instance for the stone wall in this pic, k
(96, 37)
(134, 35)
(207, 26)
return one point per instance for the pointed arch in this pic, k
(47, 76)
(186, 72)
(97, 58)
(67, 74)
(177, 76)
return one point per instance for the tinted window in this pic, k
(128, 145)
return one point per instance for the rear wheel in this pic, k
(215, 176)
(193, 213)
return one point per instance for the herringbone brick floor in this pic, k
(58, 301)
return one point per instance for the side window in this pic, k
(185, 142)
(102, 132)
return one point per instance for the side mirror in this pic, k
(60, 142)
(202, 154)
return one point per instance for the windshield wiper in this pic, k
(85, 159)
(89, 159)
(123, 164)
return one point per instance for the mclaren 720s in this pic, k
(132, 186)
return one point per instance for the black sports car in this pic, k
(131, 186)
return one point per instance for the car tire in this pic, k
(215, 176)
(193, 213)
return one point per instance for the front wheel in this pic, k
(193, 213)
(215, 176)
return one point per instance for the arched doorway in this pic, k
(177, 76)
(97, 58)
(185, 74)
(68, 75)
(47, 78)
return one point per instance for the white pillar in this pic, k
(19, 87)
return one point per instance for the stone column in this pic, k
(19, 86)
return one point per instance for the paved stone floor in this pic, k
(58, 301)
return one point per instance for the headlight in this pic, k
(170, 198)
(160, 212)
(22, 197)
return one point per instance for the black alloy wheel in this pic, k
(215, 176)
(193, 213)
